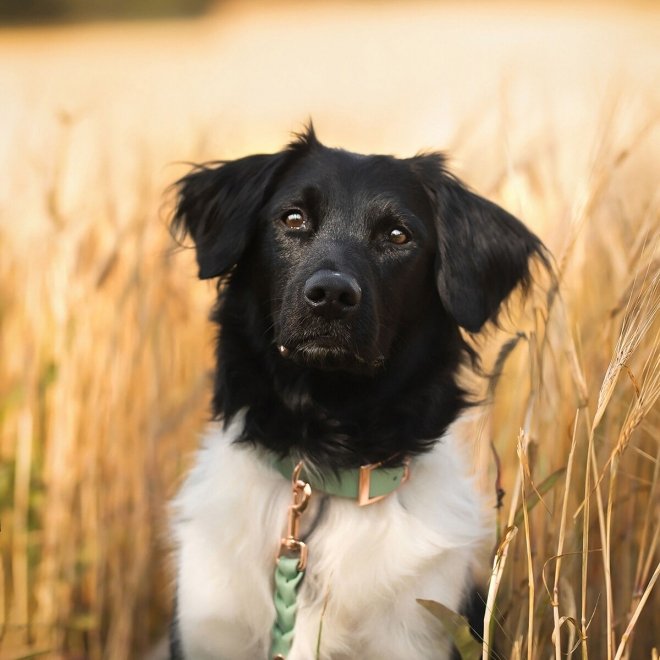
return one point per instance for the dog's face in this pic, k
(353, 251)
(350, 244)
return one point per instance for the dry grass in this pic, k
(105, 348)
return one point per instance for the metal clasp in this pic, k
(291, 543)
(364, 482)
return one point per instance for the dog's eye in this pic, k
(398, 236)
(294, 219)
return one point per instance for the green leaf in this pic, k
(34, 654)
(536, 495)
(456, 627)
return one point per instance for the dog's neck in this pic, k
(335, 419)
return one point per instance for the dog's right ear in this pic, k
(218, 206)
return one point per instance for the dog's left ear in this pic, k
(218, 206)
(483, 251)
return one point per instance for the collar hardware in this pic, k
(291, 543)
(364, 483)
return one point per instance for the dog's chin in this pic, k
(326, 355)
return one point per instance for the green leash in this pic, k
(366, 485)
(287, 579)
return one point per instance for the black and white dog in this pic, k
(346, 280)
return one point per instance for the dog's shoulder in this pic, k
(227, 519)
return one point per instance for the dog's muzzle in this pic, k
(328, 323)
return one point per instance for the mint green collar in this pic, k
(366, 484)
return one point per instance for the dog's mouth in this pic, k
(325, 352)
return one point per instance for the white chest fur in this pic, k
(366, 567)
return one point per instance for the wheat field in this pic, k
(552, 110)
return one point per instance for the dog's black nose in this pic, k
(332, 294)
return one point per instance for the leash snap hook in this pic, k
(291, 543)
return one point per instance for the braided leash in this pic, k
(289, 570)
(287, 579)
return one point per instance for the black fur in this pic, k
(376, 382)
(474, 611)
(176, 648)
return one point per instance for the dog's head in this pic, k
(352, 252)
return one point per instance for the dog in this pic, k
(346, 282)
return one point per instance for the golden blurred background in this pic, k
(551, 109)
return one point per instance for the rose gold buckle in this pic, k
(364, 482)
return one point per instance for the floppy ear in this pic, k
(218, 205)
(483, 251)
